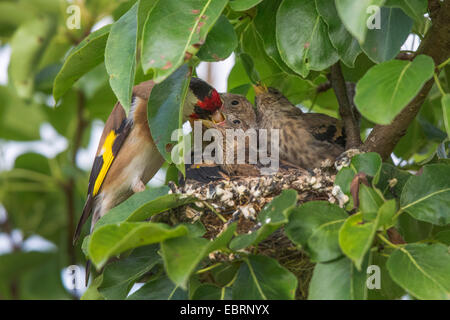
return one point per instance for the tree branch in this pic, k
(69, 186)
(345, 107)
(436, 44)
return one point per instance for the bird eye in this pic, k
(236, 121)
(234, 102)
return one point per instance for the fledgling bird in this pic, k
(127, 157)
(306, 139)
(239, 118)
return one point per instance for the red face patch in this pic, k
(212, 102)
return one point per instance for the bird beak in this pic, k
(218, 117)
(260, 89)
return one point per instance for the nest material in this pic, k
(228, 199)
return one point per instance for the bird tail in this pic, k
(84, 216)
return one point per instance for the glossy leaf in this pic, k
(338, 280)
(384, 44)
(355, 15)
(159, 289)
(302, 37)
(119, 276)
(220, 43)
(347, 47)
(315, 226)
(356, 237)
(83, 58)
(416, 9)
(27, 47)
(428, 267)
(387, 88)
(165, 109)
(242, 5)
(120, 56)
(178, 39)
(180, 266)
(426, 197)
(113, 239)
(265, 24)
(446, 112)
(262, 278)
(142, 206)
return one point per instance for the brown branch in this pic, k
(345, 107)
(69, 186)
(436, 44)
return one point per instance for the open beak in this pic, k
(260, 89)
(217, 118)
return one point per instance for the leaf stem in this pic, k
(443, 64)
(438, 84)
(390, 244)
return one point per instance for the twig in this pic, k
(345, 108)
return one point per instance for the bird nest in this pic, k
(224, 199)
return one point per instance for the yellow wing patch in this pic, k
(108, 157)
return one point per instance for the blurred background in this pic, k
(46, 153)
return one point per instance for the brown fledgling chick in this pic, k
(239, 133)
(306, 139)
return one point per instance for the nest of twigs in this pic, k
(225, 199)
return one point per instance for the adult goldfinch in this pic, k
(127, 157)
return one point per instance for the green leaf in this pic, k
(19, 128)
(207, 292)
(347, 47)
(338, 280)
(369, 163)
(315, 226)
(27, 47)
(388, 288)
(92, 292)
(388, 87)
(354, 15)
(242, 5)
(446, 112)
(120, 56)
(159, 289)
(392, 181)
(113, 239)
(182, 255)
(265, 24)
(384, 44)
(356, 237)
(165, 109)
(370, 202)
(428, 270)
(272, 217)
(263, 278)
(386, 213)
(416, 9)
(119, 276)
(426, 197)
(443, 237)
(177, 39)
(302, 37)
(83, 58)
(220, 43)
(143, 205)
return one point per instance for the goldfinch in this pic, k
(127, 157)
